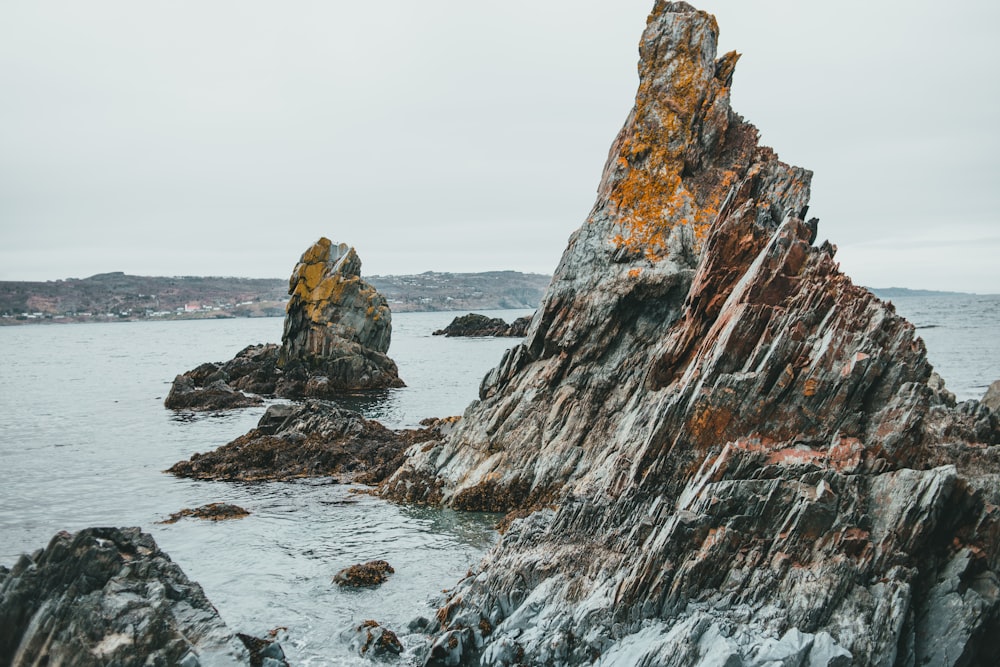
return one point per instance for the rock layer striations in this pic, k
(722, 451)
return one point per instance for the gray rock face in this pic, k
(721, 451)
(108, 596)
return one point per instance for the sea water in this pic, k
(84, 438)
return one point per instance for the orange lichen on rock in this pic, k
(649, 191)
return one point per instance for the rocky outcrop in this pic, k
(337, 332)
(312, 439)
(474, 324)
(108, 596)
(338, 327)
(724, 452)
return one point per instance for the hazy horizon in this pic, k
(180, 138)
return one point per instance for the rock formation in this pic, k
(338, 326)
(313, 439)
(336, 335)
(108, 596)
(722, 451)
(475, 324)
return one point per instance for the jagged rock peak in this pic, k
(330, 300)
(717, 449)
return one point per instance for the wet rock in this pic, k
(185, 395)
(364, 575)
(375, 641)
(312, 439)
(109, 596)
(773, 474)
(210, 512)
(474, 324)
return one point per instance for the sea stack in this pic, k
(337, 333)
(716, 449)
(337, 326)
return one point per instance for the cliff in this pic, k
(716, 450)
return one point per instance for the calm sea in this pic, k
(84, 439)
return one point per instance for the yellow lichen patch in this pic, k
(318, 253)
(634, 273)
(810, 388)
(649, 189)
(313, 274)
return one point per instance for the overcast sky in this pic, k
(222, 138)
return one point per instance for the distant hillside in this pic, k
(896, 292)
(117, 296)
(491, 290)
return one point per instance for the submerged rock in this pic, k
(210, 512)
(109, 596)
(721, 450)
(364, 575)
(336, 335)
(474, 324)
(312, 439)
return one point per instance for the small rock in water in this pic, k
(211, 512)
(364, 575)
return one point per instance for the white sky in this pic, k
(182, 137)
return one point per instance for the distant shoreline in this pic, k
(118, 297)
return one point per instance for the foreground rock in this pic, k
(313, 439)
(109, 596)
(474, 324)
(364, 575)
(727, 453)
(336, 336)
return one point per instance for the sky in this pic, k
(182, 137)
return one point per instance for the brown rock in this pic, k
(210, 512)
(364, 575)
(313, 439)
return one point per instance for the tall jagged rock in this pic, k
(722, 451)
(337, 326)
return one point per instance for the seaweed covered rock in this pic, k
(364, 575)
(720, 450)
(109, 596)
(373, 640)
(210, 512)
(313, 439)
